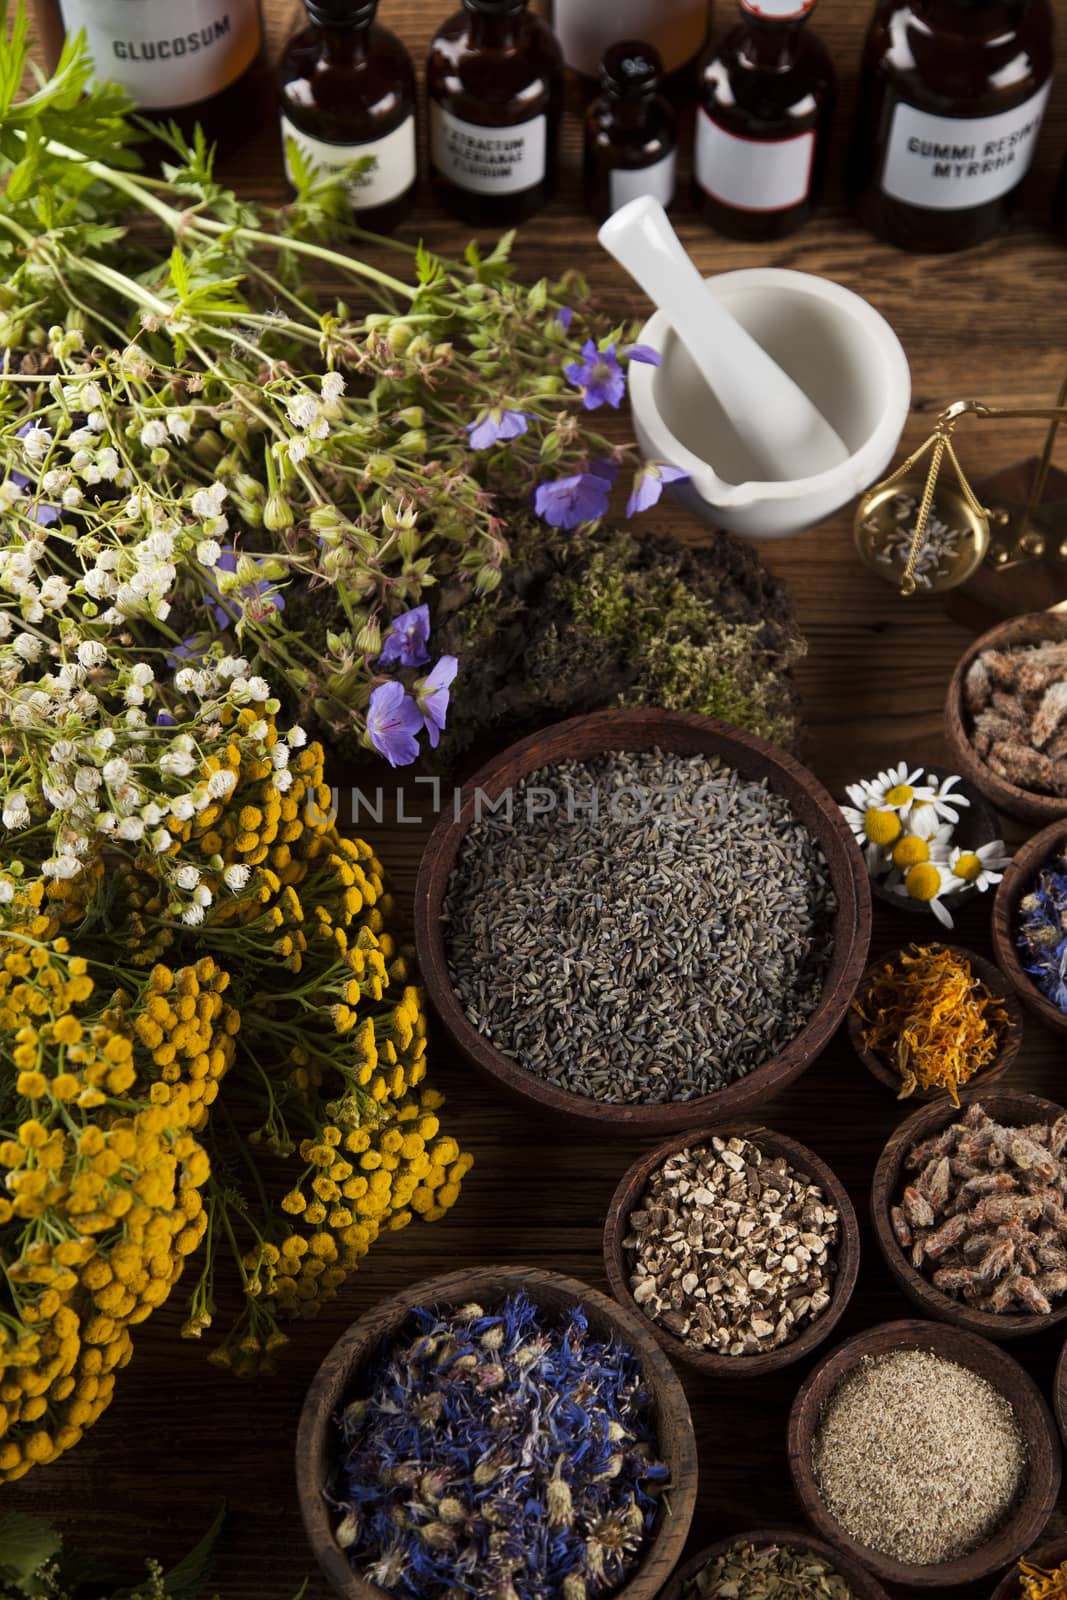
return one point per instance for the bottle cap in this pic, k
(495, 8)
(631, 68)
(340, 13)
(778, 10)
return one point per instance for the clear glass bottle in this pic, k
(494, 87)
(631, 132)
(347, 89)
(951, 101)
(587, 29)
(193, 61)
(763, 122)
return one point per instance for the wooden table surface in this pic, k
(181, 1437)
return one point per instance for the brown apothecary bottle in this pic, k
(951, 101)
(766, 105)
(631, 132)
(187, 61)
(347, 90)
(494, 90)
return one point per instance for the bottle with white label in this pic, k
(631, 132)
(951, 102)
(763, 122)
(347, 88)
(190, 61)
(494, 88)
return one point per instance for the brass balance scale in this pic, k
(924, 532)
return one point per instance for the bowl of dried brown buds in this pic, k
(738, 1246)
(1006, 716)
(969, 1206)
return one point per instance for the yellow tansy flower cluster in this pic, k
(102, 1173)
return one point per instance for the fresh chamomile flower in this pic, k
(979, 869)
(926, 882)
(898, 790)
(912, 848)
(944, 805)
(875, 830)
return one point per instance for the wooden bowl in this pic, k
(678, 732)
(1033, 627)
(1025, 1524)
(1020, 874)
(859, 1580)
(555, 1294)
(1059, 1393)
(1048, 1555)
(1006, 1105)
(978, 825)
(627, 1197)
(993, 979)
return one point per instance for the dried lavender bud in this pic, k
(732, 1250)
(772, 1572)
(561, 1437)
(918, 1457)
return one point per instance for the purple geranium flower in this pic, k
(642, 352)
(407, 639)
(598, 376)
(648, 485)
(568, 502)
(230, 605)
(565, 316)
(495, 425)
(393, 721)
(432, 696)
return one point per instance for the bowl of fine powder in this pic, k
(644, 919)
(926, 1453)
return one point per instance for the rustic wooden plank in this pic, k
(180, 1437)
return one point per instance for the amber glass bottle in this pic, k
(630, 132)
(951, 102)
(196, 61)
(347, 90)
(763, 122)
(587, 29)
(494, 86)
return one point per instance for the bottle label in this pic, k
(627, 183)
(165, 53)
(953, 163)
(752, 174)
(392, 172)
(586, 28)
(488, 160)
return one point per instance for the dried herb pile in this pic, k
(1042, 932)
(772, 1572)
(985, 1212)
(1042, 1583)
(1017, 702)
(931, 1019)
(498, 1454)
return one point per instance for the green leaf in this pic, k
(179, 275)
(185, 1581)
(26, 1545)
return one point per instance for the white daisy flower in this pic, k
(979, 869)
(897, 789)
(943, 805)
(925, 882)
(874, 830)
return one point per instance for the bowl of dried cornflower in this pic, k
(1039, 1575)
(968, 1205)
(737, 1245)
(502, 1430)
(928, 838)
(1006, 716)
(929, 1019)
(925, 1453)
(769, 1562)
(1030, 925)
(643, 919)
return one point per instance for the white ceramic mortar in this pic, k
(840, 350)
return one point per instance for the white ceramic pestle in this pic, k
(784, 432)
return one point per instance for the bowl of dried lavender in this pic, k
(738, 1246)
(968, 1205)
(929, 1020)
(1030, 925)
(1006, 716)
(496, 1431)
(643, 919)
(924, 1452)
(772, 1562)
(1039, 1575)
